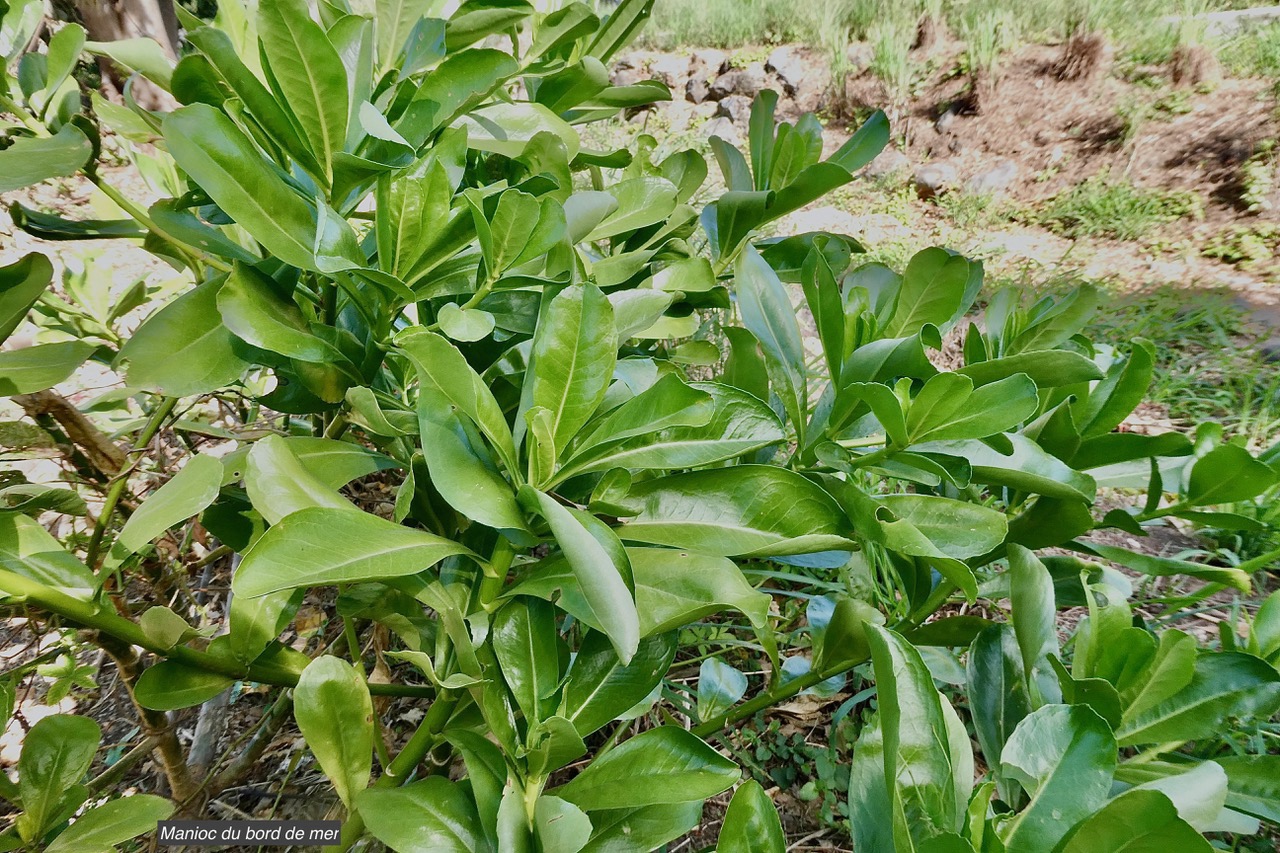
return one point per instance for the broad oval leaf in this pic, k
(31, 369)
(189, 491)
(171, 686)
(1064, 757)
(662, 765)
(29, 551)
(112, 823)
(600, 688)
(1135, 822)
(319, 546)
(56, 753)
(21, 285)
(751, 824)
(744, 511)
(430, 816)
(335, 715)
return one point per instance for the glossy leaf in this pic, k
(662, 765)
(600, 687)
(31, 369)
(1135, 822)
(171, 686)
(1223, 685)
(767, 314)
(335, 715)
(186, 494)
(750, 510)
(574, 351)
(430, 816)
(598, 573)
(56, 754)
(1034, 623)
(184, 348)
(112, 823)
(21, 284)
(751, 823)
(28, 550)
(319, 546)
(527, 648)
(720, 687)
(997, 690)
(30, 160)
(1064, 757)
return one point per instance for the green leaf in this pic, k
(527, 647)
(599, 576)
(171, 686)
(443, 370)
(1135, 822)
(619, 28)
(844, 639)
(187, 494)
(309, 73)
(1028, 468)
(560, 826)
(1224, 685)
(279, 483)
(230, 168)
(767, 313)
(1154, 566)
(1064, 757)
(255, 622)
(954, 529)
(748, 510)
(1047, 368)
(1228, 474)
(164, 627)
(143, 55)
(662, 765)
(184, 349)
(27, 550)
(56, 753)
(673, 589)
(319, 546)
(508, 128)
(933, 290)
(253, 308)
(31, 369)
(476, 19)
(112, 823)
(335, 715)
(600, 688)
(430, 816)
(460, 467)
(751, 824)
(1253, 784)
(30, 160)
(465, 324)
(574, 352)
(640, 202)
(737, 423)
(333, 463)
(1119, 392)
(720, 686)
(458, 84)
(1034, 623)
(997, 691)
(867, 142)
(948, 407)
(1199, 793)
(641, 829)
(929, 774)
(21, 284)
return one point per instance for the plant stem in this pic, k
(716, 725)
(90, 614)
(118, 485)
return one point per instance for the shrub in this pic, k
(400, 264)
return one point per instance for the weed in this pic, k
(1255, 53)
(1105, 207)
(1247, 246)
(972, 210)
(1258, 178)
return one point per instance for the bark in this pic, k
(114, 20)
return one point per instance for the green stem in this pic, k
(716, 725)
(495, 574)
(93, 615)
(142, 218)
(118, 485)
(870, 458)
(29, 121)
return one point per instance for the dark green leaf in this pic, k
(751, 824)
(171, 686)
(430, 816)
(56, 753)
(21, 284)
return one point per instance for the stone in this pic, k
(671, 70)
(736, 108)
(888, 163)
(711, 59)
(994, 180)
(698, 86)
(1270, 350)
(789, 67)
(723, 128)
(738, 81)
(626, 73)
(933, 179)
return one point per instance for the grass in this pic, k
(1257, 56)
(1105, 207)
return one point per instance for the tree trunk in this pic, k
(114, 20)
